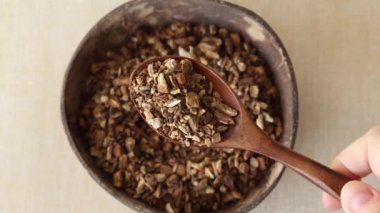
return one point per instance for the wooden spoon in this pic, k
(245, 135)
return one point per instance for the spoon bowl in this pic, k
(219, 85)
(246, 135)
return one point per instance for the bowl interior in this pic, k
(109, 33)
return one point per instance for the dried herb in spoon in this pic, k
(180, 103)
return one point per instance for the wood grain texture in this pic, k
(334, 47)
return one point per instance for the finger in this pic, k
(356, 161)
(372, 205)
(360, 197)
(361, 157)
(328, 201)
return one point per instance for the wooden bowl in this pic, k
(108, 33)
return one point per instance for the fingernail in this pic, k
(359, 200)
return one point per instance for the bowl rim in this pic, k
(113, 191)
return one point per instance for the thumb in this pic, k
(359, 197)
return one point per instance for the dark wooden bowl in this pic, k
(108, 33)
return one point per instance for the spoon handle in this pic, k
(325, 178)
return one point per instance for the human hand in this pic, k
(356, 161)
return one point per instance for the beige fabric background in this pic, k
(334, 46)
